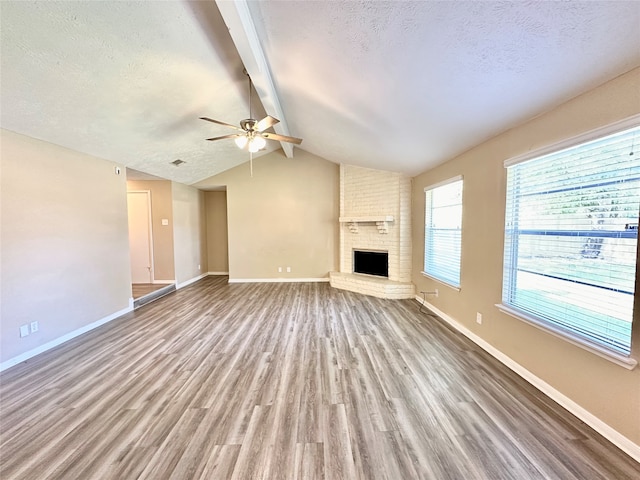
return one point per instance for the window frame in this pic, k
(626, 361)
(431, 275)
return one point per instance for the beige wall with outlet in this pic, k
(64, 242)
(217, 236)
(285, 216)
(161, 209)
(189, 232)
(606, 390)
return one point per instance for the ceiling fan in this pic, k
(253, 136)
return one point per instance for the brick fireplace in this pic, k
(375, 216)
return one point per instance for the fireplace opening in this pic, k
(371, 263)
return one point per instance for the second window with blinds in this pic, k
(571, 239)
(443, 231)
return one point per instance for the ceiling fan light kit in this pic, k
(256, 143)
(241, 141)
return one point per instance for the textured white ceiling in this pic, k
(124, 81)
(391, 85)
(405, 85)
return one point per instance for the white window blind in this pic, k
(443, 231)
(571, 238)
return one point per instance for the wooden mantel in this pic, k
(381, 221)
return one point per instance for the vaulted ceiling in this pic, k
(392, 85)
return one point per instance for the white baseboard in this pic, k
(615, 437)
(65, 338)
(278, 280)
(217, 273)
(163, 282)
(190, 281)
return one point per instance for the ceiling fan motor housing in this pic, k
(248, 124)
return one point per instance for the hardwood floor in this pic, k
(277, 381)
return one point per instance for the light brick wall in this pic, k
(366, 192)
(405, 247)
(369, 192)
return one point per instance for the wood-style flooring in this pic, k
(279, 381)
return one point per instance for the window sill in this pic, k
(454, 287)
(621, 360)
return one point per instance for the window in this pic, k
(571, 236)
(443, 231)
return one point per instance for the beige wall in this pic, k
(161, 208)
(64, 242)
(217, 239)
(286, 215)
(608, 391)
(189, 232)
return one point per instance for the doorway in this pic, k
(140, 236)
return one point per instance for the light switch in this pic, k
(165, 221)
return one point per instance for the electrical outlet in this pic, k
(279, 269)
(479, 318)
(436, 293)
(24, 330)
(198, 267)
(34, 327)
(288, 269)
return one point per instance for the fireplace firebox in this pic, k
(371, 263)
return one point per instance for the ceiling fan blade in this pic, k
(266, 122)
(220, 123)
(281, 138)
(233, 135)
